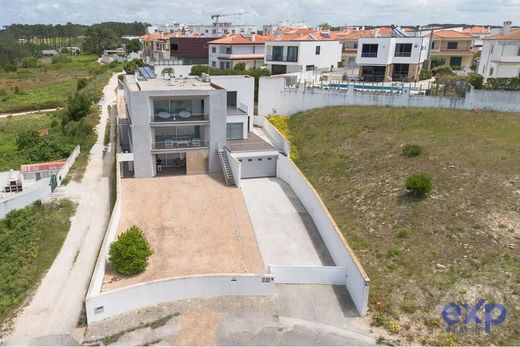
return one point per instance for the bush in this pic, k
(61, 59)
(437, 61)
(197, 70)
(442, 70)
(240, 66)
(130, 252)
(419, 185)
(82, 83)
(168, 70)
(30, 62)
(412, 150)
(131, 66)
(10, 68)
(504, 83)
(78, 106)
(425, 74)
(475, 79)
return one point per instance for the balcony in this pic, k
(281, 58)
(403, 54)
(178, 143)
(368, 54)
(163, 117)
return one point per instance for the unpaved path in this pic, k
(5, 115)
(52, 315)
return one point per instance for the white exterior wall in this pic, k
(109, 304)
(501, 56)
(275, 98)
(386, 50)
(335, 275)
(330, 54)
(220, 55)
(236, 167)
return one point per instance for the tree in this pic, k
(133, 46)
(98, 38)
(324, 26)
(130, 252)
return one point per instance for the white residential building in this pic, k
(226, 52)
(501, 54)
(221, 29)
(391, 58)
(175, 126)
(299, 52)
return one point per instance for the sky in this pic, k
(312, 12)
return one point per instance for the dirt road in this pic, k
(52, 315)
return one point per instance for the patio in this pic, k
(195, 225)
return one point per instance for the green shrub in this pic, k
(197, 70)
(30, 62)
(425, 74)
(475, 79)
(419, 185)
(131, 66)
(61, 59)
(78, 106)
(412, 150)
(392, 252)
(438, 61)
(130, 252)
(402, 233)
(503, 83)
(10, 68)
(442, 70)
(240, 66)
(168, 70)
(82, 83)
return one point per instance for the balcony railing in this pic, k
(281, 58)
(403, 54)
(179, 142)
(368, 54)
(164, 116)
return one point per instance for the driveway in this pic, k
(284, 230)
(52, 315)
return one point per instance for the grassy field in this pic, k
(46, 86)
(30, 239)
(458, 244)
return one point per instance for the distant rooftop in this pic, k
(160, 83)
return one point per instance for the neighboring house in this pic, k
(501, 54)
(176, 126)
(349, 42)
(302, 51)
(391, 58)
(478, 33)
(189, 50)
(226, 52)
(221, 29)
(454, 47)
(156, 46)
(110, 55)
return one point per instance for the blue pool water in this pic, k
(369, 87)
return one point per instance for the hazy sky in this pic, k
(313, 12)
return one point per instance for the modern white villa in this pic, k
(391, 58)
(301, 51)
(501, 54)
(175, 125)
(226, 52)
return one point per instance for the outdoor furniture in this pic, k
(164, 115)
(185, 114)
(195, 142)
(168, 144)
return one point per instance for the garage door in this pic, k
(258, 166)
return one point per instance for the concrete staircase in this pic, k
(228, 174)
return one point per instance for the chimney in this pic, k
(506, 29)
(253, 37)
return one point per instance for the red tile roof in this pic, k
(310, 36)
(450, 34)
(514, 35)
(476, 30)
(51, 165)
(240, 39)
(354, 34)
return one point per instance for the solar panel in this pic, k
(147, 72)
(150, 71)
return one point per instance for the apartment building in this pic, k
(156, 46)
(189, 50)
(454, 47)
(175, 126)
(391, 58)
(302, 50)
(226, 52)
(220, 29)
(501, 54)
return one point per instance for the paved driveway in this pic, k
(284, 230)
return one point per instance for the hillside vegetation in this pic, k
(458, 243)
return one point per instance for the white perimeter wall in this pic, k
(236, 167)
(357, 281)
(278, 139)
(335, 275)
(275, 98)
(122, 300)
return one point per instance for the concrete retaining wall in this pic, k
(275, 98)
(68, 164)
(278, 139)
(335, 275)
(357, 281)
(122, 300)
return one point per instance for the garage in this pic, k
(258, 166)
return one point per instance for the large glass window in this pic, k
(234, 131)
(292, 54)
(403, 50)
(453, 45)
(369, 50)
(277, 53)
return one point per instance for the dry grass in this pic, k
(470, 222)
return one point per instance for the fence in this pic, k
(275, 97)
(37, 191)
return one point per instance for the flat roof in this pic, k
(160, 83)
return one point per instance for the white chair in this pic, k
(168, 144)
(195, 142)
